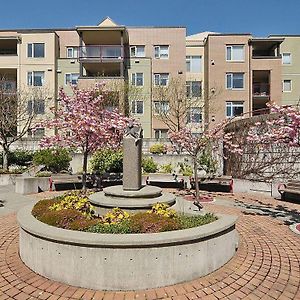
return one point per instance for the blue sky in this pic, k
(260, 17)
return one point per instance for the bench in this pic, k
(290, 190)
(166, 181)
(217, 184)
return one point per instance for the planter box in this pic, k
(7, 179)
(31, 185)
(125, 261)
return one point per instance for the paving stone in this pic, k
(266, 265)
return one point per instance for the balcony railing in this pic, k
(100, 53)
(261, 90)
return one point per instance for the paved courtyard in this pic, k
(266, 265)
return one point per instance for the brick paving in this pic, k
(266, 265)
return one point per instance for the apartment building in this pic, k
(28, 62)
(231, 74)
(132, 61)
(290, 52)
(242, 74)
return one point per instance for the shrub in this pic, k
(162, 209)
(148, 165)
(151, 223)
(168, 168)
(116, 215)
(189, 221)
(18, 158)
(107, 160)
(54, 160)
(207, 163)
(117, 228)
(158, 149)
(75, 200)
(185, 169)
(67, 218)
(43, 174)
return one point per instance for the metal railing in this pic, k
(101, 53)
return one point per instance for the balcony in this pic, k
(261, 90)
(101, 53)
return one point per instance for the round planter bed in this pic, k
(125, 261)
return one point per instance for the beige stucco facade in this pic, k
(93, 62)
(291, 70)
(259, 65)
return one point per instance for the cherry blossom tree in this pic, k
(270, 145)
(82, 122)
(195, 145)
(283, 127)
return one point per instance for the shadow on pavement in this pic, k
(281, 212)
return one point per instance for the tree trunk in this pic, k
(5, 158)
(196, 178)
(84, 169)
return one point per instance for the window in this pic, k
(161, 52)
(287, 85)
(194, 115)
(137, 79)
(137, 51)
(7, 86)
(161, 107)
(235, 53)
(161, 79)
(286, 58)
(36, 106)
(234, 108)
(72, 52)
(37, 133)
(36, 50)
(193, 89)
(35, 78)
(194, 64)
(137, 107)
(161, 133)
(234, 81)
(71, 78)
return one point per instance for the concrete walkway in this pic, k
(10, 201)
(266, 265)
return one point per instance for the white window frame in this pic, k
(159, 75)
(290, 55)
(31, 73)
(33, 106)
(189, 85)
(134, 79)
(75, 51)
(33, 52)
(161, 107)
(134, 103)
(189, 60)
(158, 52)
(231, 85)
(287, 91)
(134, 49)
(160, 132)
(71, 75)
(191, 113)
(231, 47)
(237, 103)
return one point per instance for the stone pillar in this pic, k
(132, 163)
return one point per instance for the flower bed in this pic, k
(74, 211)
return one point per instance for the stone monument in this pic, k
(131, 195)
(132, 159)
